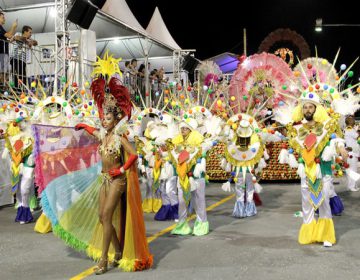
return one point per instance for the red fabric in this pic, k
(257, 199)
(88, 128)
(98, 91)
(117, 171)
(113, 172)
(132, 158)
(121, 95)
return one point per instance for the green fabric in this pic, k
(182, 228)
(26, 162)
(326, 167)
(201, 228)
(315, 187)
(69, 239)
(33, 203)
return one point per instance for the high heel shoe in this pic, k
(117, 258)
(102, 267)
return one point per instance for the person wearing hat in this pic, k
(313, 135)
(164, 176)
(244, 153)
(145, 147)
(352, 145)
(19, 145)
(188, 157)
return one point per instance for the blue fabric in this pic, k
(167, 212)
(250, 209)
(336, 205)
(24, 215)
(57, 196)
(317, 200)
(242, 210)
(239, 209)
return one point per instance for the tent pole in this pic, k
(147, 85)
(244, 35)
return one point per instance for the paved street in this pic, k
(261, 247)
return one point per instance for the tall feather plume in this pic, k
(121, 95)
(98, 92)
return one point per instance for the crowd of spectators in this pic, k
(14, 62)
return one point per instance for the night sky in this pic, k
(212, 29)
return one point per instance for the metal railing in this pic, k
(23, 68)
(136, 86)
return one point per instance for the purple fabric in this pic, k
(61, 150)
(336, 205)
(167, 212)
(24, 215)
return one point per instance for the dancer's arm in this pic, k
(130, 161)
(89, 129)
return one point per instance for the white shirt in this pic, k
(351, 136)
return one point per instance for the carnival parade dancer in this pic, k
(260, 84)
(352, 145)
(188, 158)
(243, 158)
(145, 147)
(105, 219)
(313, 137)
(164, 174)
(19, 145)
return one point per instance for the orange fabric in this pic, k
(135, 244)
(16, 157)
(181, 169)
(308, 156)
(157, 163)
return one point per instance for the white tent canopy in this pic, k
(121, 10)
(157, 28)
(116, 27)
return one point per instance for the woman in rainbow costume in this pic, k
(105, 218)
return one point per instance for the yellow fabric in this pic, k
(310, 171)
(317, 231)
(127, 265)
(15, 169)
(43, 224)
(182, 170)
(297, 115)
(12, 130)
(156, 204)
(147, 133)
(147, 205)
(151, 205)
(194, 139)
(157, 169)
(306, 233)
(320, 114)
(324, 231)
(254, 139)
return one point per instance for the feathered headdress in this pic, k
(108, 92)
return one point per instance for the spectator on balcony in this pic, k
(141, 71)
(161, 76)
(132, 66)
(153, 74)
(4, 47)
(22, 45)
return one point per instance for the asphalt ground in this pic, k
(260, 247)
